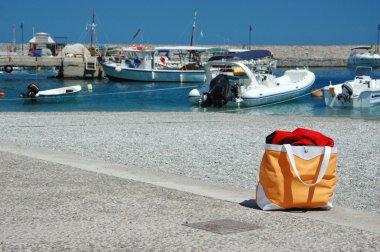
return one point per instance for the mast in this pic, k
(22, 38)
(193, 30)
(378, 29)
(14, 39)
(92, 30)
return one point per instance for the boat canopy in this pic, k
(362, 47)
(247, 55)
(218, 50)
(183, 48)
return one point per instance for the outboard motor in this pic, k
(220, 92)
(33, 89)
(345, 96)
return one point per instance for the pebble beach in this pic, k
(216, 147)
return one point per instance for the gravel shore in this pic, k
(218, 147)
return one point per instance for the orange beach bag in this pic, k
(296, 177)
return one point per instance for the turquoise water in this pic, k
(113, 96)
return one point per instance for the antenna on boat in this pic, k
(135, 36)
(193, 29)
(250, 35)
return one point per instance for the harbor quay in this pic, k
(68, 67)
(88, 67)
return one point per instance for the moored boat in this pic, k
(34, 94)
(236, 83)
(147, 64)
(362, 91)
(364, 56)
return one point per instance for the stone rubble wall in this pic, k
(298, 55)
(287, 56)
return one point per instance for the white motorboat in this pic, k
(147, 64)
(362, 91)
(236, 83)
(364, 56)
(34, 94)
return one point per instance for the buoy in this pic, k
(317, 93)
(89, 87)
(2, 93)
(8, 69)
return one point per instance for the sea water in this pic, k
(117, 96)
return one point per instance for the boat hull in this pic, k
(250, 100)
(364, 99)
(154, 75)
(55, 95)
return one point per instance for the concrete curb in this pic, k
(367, 221)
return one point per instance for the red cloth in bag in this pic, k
(300, 136)
(317, 138)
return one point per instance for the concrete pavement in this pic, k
(60, 201)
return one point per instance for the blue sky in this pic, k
(274, 22)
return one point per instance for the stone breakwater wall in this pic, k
(302, 55)
(312, 56)
(287, 56)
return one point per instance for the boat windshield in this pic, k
(363, 71)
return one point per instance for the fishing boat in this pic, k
(362, 91)
(156, 65)
(238, 84)
(141, 63)
(34, 94)
(364, 56)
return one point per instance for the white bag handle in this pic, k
(322, 171)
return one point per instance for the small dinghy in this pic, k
(360, 92)
(237, 83)
(34, 94)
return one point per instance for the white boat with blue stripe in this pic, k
(361, 92)
(238, 83)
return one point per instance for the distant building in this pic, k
(42, 45)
